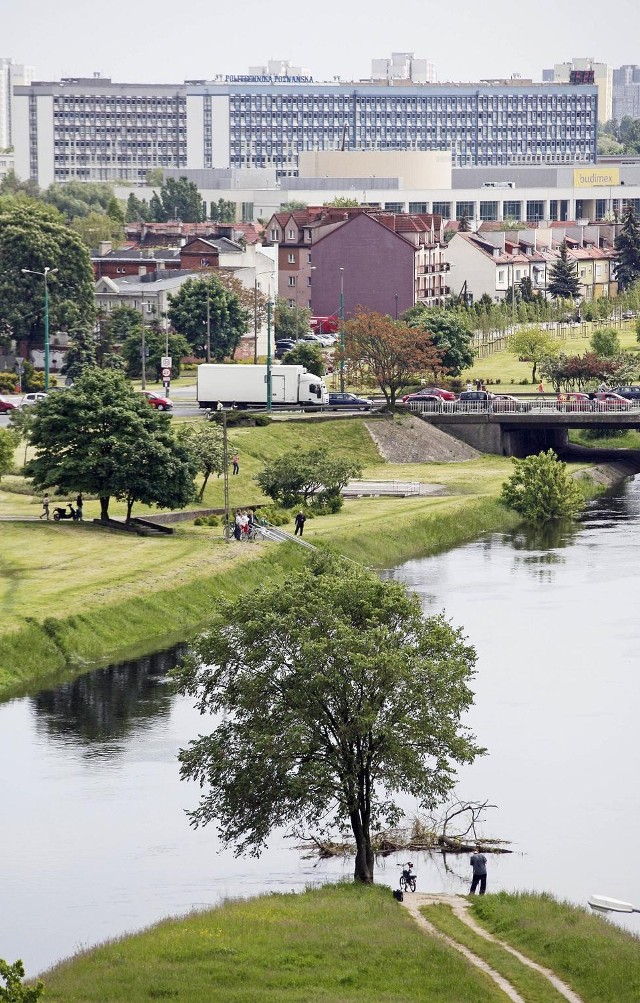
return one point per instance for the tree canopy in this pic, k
(563, 277)
(7, 446)
(533, 344)
(605, 341)
(14, 989)
(627, 244)
(332, 696)
(291, 321)
(389, 354)
(228, 318)
(450, 335)
(177, 199)
(542, 489)
(103, 438)
(306, 354)
(205, 442)
(302, 475)
(32, 237)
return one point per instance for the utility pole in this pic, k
(255, 321)
(143, 347)
(341, 330)
(269, 356)
(208, 355)
(225, 467)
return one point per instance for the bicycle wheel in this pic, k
(403, 884)
(412, 883)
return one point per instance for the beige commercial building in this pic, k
(602, 77)
(416, 168)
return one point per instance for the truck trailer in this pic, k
(242, 386)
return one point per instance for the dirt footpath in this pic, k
(410, 440)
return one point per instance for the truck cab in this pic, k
(312, 390)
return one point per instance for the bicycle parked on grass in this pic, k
(407, 878)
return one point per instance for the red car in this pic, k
(574, 402)
(157, 400)
(6, 406)
(445, 395)
(606, 400)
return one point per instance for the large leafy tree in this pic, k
(301, 474)
(79, 198)
(137, 210)
(81, 353)
(627, 245)
(291, 321)
(563, 278)
(228, 318)
(542, 489)
(389, 354)
(533, 344)
(15, 990)
(97, 226)
(156, 343)
(33, 237)
(103, 438)
(205, 442)
(332, 696)
(449, 333)
(306, 354)
(8, 442)
(177, 199)
(223, 211)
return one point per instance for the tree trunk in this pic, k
(130, 501)
(363, 870)
(104, 508)
(533, 372)
(204, 484)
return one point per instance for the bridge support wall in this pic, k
(490, 437)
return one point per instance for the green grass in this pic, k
(597, 959)
(336, 944)
(535, 988)
(505, 367)
(629, 440)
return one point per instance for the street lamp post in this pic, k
(341, 330)
(602, 903)
(269, 356)
(48, 271)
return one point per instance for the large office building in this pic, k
(11, 75)
(93, 129)
(600, 73)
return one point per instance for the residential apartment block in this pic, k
(93, 129)
(493, 261)
(381, 261)
(563, 73)
(11, 75)
(626, 92)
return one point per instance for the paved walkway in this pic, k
(460, 907)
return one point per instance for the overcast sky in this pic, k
(166, 41)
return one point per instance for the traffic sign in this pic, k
(166, 372)
(166, 362)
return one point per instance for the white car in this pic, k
(34, 398)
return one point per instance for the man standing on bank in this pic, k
(300, 521)
(479, 863)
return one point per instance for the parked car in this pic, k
(446, 395)
(629, 392)
(284, 345)
(507, 402)
(628, 314)
(471, 398)
(158, 401)
(430, 402)
(6, 406)
(315, 339)
(34, 398)
(574, 402)
(349, 401)
(615, 402)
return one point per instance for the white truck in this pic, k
(246, 386)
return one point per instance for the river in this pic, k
(94, 833)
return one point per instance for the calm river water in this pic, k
(94, 837)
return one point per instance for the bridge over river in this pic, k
(518, 428)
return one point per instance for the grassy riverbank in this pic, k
(74, 596)
(336, 944)
(343, 943)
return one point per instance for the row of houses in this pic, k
(333, 258)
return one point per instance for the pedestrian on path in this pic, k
(79, 504)
(300, 521)
(235, 460)
(45, 508)
(479, 863)
(540, 387)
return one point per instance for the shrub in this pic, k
(8, 383)
(541, 489)
(263, 419)
(199, 521)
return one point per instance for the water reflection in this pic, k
(109, 704)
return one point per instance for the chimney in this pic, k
(104, 247)
(161, 266)
(142, 270)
